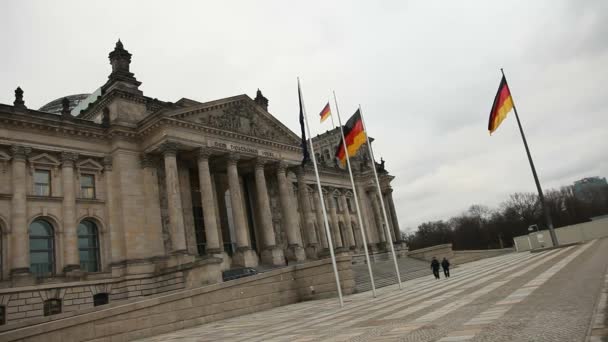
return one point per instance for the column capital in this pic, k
(68, 158)
(233, 158)
(260, 163)
(147, 161)
(168, 148)
(204, 153)
(107, 163)
(20, 152)
(282, 166)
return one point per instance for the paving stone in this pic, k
(547, 296)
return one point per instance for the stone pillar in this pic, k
(208, 203)
(117, 237)
(271, 254)
(372, 237)
(335, 223)
(378, 218)
(174, 200)
(244, 256)
(389, 218)
(71, 257)
(20, 258)
(350, 237)
(395, 221)
(289, 217)
(322, 233)
(309, 227)
(153, 231)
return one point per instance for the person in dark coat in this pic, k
(445, 264)
(435, 267)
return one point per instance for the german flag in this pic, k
(503, 103)
(354, 134)
(325, 113)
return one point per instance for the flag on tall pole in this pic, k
(320, 191)
(503, 103)
(354, 138)
(352, 182)
(325, 113)
(305, 154)
(381, 198)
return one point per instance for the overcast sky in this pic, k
(425, 72)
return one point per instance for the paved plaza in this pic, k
(548, 296)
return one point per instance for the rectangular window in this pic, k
(350, 205)
(42, 182)
(87, 186)
(2, 315)
(52, 307)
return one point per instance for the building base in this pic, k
(244, 257)
(295, 253)
(273, 256)
(312, 251)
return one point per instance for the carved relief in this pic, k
(240, 118)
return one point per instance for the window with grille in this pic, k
(52, 307)
(42, 182)
(87, 186)
(101, 299)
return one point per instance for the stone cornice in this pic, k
(50, 122)
(161, 121)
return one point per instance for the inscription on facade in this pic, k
(243, 149)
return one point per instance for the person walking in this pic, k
(435, 267)
(445, 264)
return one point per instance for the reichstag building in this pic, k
(115, 195)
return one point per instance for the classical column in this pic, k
(350, 237)
(271, 254)
(174, 200)
(208, 203)
(20, 258)
(309, 227)
(71, 257)
(117, 237)
(389, 216)
(322, 233)
(395, 221)
(152, 232)
(378, 218)
(372, 237)
(244, 256)
(335, 223)
(289, 216)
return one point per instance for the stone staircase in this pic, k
(384, 272)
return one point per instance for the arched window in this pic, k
(88, 246)
(42, 246)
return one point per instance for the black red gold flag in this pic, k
(354, 134)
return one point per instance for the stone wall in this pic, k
(461, 257)
(439, 251)
(192, 307)
(569, 234)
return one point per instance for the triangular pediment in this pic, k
(89, 164)
(239, 114)
(45, 159)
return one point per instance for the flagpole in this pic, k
(320, 190)
(538, 187)
(388, 232)
(352, 182)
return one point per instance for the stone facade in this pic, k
(134, 196)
